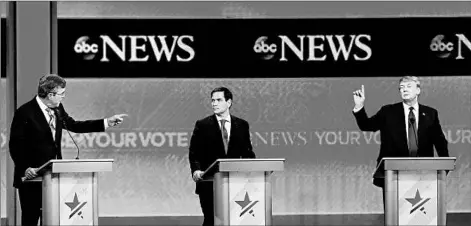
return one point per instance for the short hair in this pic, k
(410, 78)
(226, 91)
(49, 84)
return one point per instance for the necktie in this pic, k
(52, 122)
(412, 134)
(224, 133)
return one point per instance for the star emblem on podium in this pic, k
(246, 205)
(76, 207)
(418, 202)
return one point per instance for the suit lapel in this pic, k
(39, 115)
(422, 118)
(58, 130)
(234, 127)
(402, 123)
(218, 134)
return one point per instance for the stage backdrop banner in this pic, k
(298, 103)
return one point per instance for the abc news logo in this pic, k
(444, 47)
(81, 46)
(137, 48)
(268, 50)
(316, 47)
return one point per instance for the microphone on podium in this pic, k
(61, 120)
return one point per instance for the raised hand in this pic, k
(359, 97)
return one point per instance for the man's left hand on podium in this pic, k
(30, 173)
(198, 175)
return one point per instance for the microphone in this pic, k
(65, 127)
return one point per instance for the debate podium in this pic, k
(242, 190)
(415, 189)
(70, 190)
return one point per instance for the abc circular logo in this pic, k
(265, 49)
(83, 47)
(441, 46)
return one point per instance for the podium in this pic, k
(415, 189)
(242, 190)
(70, 190)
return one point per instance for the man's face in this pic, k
(409, 90)
(56, 97)
(219, 103)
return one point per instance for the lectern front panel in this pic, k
(76, 199)
(221, 197)
(247, 198)
(50, 200)
(417, 197)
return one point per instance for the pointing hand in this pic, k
(359, 97)
(116, 119)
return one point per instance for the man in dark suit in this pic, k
(408, 129)
(35, 138)
(220, 135)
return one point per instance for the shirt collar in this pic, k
(41, 104)
(415, 106)
(227, 118)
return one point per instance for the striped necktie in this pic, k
(52, 122)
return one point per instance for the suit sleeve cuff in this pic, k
(355, 110)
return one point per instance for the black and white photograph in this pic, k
(235, 113)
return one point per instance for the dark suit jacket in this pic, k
(31, 143)
(206, 144)
(390, 121)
